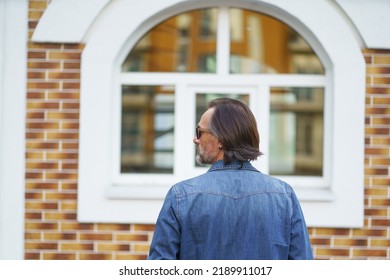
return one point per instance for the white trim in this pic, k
(13, 38)
(345, 71)
(2, 65)
(272, 80)
(223, 36)
(372, 20)
(369, 18)
(67, 21)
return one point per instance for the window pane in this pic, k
(262, 44)
(147, 144)
(296, 131)
(202, 100)
(184, 43)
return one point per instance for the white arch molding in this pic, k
(346, 72)
(370, 18)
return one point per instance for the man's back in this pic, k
(231, 212)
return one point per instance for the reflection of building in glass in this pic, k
(147, 129)
(258, 44)
(183, 43)
(296, 128)
(187, 43)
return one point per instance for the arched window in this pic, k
(222, 43)
(144, 88)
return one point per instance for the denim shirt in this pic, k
(231, 212)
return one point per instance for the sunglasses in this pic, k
(199, 132)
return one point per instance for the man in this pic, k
(233, 211)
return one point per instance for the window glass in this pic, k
(183, 43)
(254, 43)
(296, 131)
(147, 129)
(262, 44)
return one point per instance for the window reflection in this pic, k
(147, 129)
(257, 44)
(296, 131)
(184, 43)
(262, 44)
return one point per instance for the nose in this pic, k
(195, 140)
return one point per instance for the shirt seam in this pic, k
(237, 197)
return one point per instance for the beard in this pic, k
(204, 157)
(201, 160)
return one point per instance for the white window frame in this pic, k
(101, 201)
(258, 86)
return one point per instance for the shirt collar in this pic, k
(241, 165)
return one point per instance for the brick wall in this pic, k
(373, 240)
(52, 133)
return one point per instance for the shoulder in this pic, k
(276, 183)
(191, 185)
(266, 179)
(244, 180)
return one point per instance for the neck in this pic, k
(219, 156)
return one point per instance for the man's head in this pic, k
(230, 133)
(209, 148)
